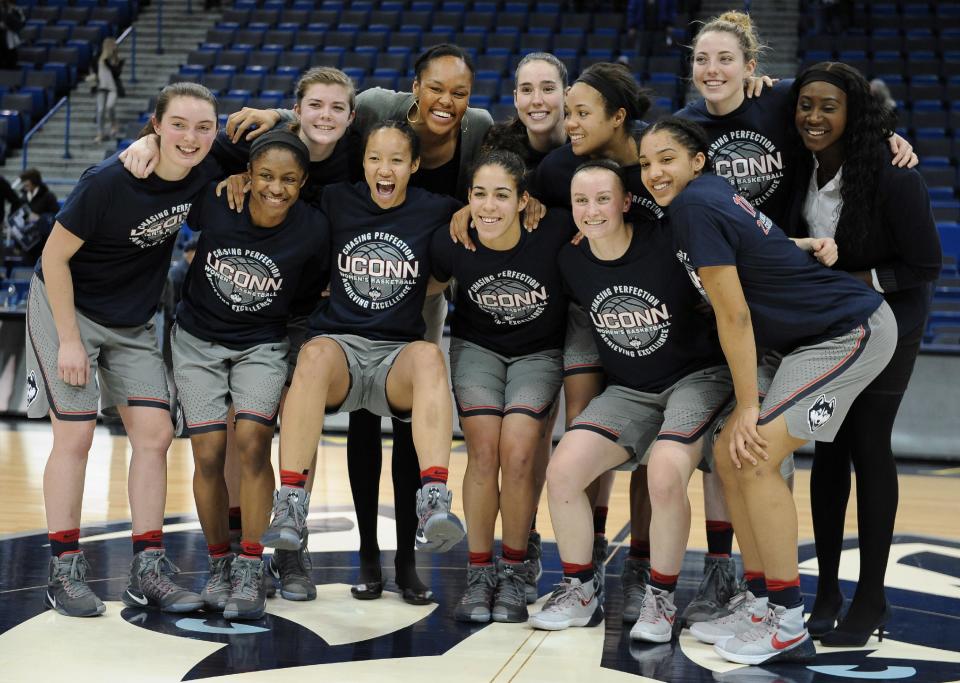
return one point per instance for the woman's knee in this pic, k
(315, 360)
(428, 360)
(517, 460)
(666, 487)
(208, 465)
(484, 460)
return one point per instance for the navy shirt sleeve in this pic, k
(442, 255)
(86, 207)
(709, 242)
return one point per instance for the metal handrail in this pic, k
(132, 32)
(66, 134)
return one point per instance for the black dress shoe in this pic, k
(416, 596)
(820, 624)
(371, 590)
(855, 636)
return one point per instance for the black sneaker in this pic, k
(248, 596)
(291, 569)
(67, 589)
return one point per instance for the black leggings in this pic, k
(864, 441)
(364, 461)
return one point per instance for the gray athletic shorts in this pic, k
(125, 363)
(488, 383)
(635, 419)
(210, 377)
(369, 362)
(579, 349)
(814, 386)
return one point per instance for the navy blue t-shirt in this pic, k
(793, 299)
(381, 262)
(550, 184)
(753, 149)
(511, 302)
(244, 279)
(127, 226)
(642, 309)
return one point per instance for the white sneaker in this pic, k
(657, 614)
(746, 612)
(571, 604)
(780, 637)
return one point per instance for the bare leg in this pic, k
(209, 487)
(64, 474)
(150, 432)
(256, 480)
(481, 492)
(519, 441)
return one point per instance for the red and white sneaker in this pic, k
(780, 637)
(746, 612)
(657, 614)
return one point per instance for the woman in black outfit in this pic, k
(881, 219)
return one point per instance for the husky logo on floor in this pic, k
(377, 269)
(162, 225)
(32, 389)
(630, 320)
(509, 297)
(243, 279)
(748, 161)
(821, 411)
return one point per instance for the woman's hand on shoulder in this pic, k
(140, 158)
(902, 150)
(460, 228)
(533, 214)
(236, 186)
(754, 85)
(243, 121)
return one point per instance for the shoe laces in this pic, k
(770, 624)
(74, 578)
(292, 507)
(653, 607)
(153, 575)
(246, 580)
(480, 584)
(565, 594)
(511, 587)
(219, 573)
(293, 562)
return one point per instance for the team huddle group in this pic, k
(646, 269)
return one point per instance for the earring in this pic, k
(416, 118)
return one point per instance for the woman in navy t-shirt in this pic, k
(834, 335)
(91, 342)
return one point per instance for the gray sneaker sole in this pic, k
(474, 617)
(281, 539)
(235, 613)
(441, 534)
(51, 603)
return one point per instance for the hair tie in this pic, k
(825, 76)
(610, 93)
(285, 138)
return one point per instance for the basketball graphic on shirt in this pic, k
(159, 227)
(509, 297)
(750, 162)
(243, 279)
(630, 320)
(377, 270)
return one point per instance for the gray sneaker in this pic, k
(475, 604)
(291, 569)
(571, 604)
(217, 589)
(288, 520)
(439, 529)
(635, 577)
(600, 546)
(718, 586)
(535, 553)
(510, 599)
(67, 589)
(151, 586)
(248, 598)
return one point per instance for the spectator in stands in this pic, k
(645, 18)
(12, 20)
(880, 90)
(109, 88)
(7, 196)
(40, 198)
(881, 219)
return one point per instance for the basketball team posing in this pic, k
(806, 338)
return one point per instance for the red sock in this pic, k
(665, 582)
(147, 540)
(293, 479)
(600, 520)
(639, 550)
(514, 555)
(719, 538)
(67, 541)
(785, 593)
(251, 549)
(433, 475)
(481, 559)
(584, 572)
(218, 549)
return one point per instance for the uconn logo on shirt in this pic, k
(160, 226)
(243, 279)
(509, 297)
(377, 269)
(750, 162)
(630, 320)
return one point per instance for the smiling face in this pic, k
(821, 115)
(387, 167)
(443, 91)
(324, 113)
(587, 123)
(275, 182)
(187, 130)
(598, 202)
(495, 204)
(719, 70)
(539, 97)
(666, 166)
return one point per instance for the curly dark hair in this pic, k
(869, 124)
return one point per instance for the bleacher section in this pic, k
(914, 47)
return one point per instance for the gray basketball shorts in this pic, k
(635, 419)
(579, 348)
(814, 386)
(488, 383)
(210, 376)
(369, 362)
(126, 367)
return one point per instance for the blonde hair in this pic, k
(741, 27)
(326, 75)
